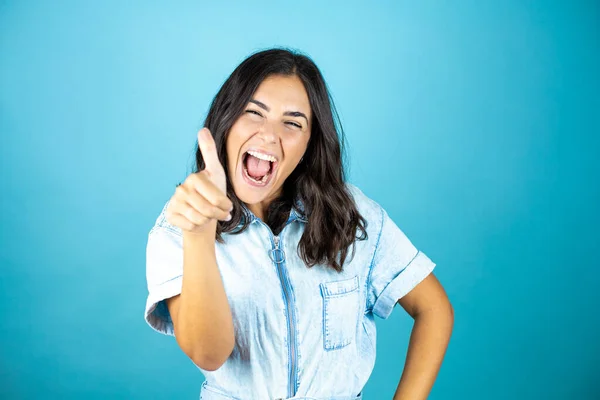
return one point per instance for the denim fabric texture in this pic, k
(300, 333)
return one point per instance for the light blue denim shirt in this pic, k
(301, 333)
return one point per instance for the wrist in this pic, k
(205, 233)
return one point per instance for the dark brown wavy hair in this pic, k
(318, 180)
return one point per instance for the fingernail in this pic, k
(228, 218)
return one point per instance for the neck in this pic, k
(258, 209)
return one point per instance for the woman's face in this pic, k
(275, 127)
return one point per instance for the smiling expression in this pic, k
(274, 126)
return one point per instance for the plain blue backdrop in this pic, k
(475, 124)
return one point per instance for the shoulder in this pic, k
(367, 207)
(161, 222)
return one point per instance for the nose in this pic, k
(268, 133)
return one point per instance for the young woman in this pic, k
(268, 267)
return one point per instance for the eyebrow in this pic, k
(290, 113)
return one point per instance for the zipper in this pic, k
(277, 255)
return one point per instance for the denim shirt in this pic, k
(301, 333)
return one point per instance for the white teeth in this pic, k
(262, 156)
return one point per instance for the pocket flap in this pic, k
(339, 287)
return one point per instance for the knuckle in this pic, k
(193, 177)
(170, 214)
(189, 214)
(172, 220)
(216, 213)
(197, 218)
(203, 176)
(188, 226)
(179, 191)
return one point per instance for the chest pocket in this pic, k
(340, 312)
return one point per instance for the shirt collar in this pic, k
(297, 213)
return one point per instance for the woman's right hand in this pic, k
(202, 197)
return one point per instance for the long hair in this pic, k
(318, 181)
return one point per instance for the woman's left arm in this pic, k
(429, 306)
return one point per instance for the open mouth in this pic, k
(257, 169)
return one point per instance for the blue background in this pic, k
(475, 124)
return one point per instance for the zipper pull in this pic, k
(277, 255)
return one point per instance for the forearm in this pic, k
(427, 346)
(204, 321)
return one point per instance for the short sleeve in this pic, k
(164, 273)
(397, 267)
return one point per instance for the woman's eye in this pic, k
(253, 112)
(294, 124)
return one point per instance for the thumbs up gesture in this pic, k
(202, 197)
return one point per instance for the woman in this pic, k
(268, 268)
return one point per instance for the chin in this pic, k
(248, 197)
